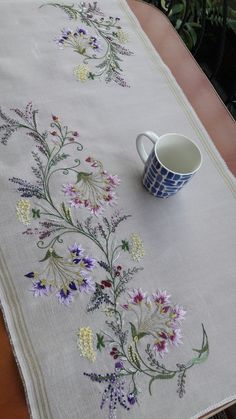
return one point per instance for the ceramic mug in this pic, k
(172, 162)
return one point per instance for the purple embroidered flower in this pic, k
(72, 286)
(125, 306)
(175, 337)
(77, 260)
(131, 398)
(177, 313)
(87, 285)
(159, 321)
(111, 199)
(96, 209)
(81, 31)
(64, 296)
(161, 297)
(88, 263)
(78, 202)
(76, 249)
(40, 289)
(137, 296)
(113, 180)
(30, 275)
(163, 335)
(161, 347)
(118, 366)
(79, 40)
(85, 263)
(93, 42)
(93, 190)
(69, 189)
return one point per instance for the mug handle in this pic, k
(139, 144)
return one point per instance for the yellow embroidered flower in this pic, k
(136, 247)
(85, 343)
(122, 36)
(81, 72)
(23, 211)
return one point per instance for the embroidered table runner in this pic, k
(117, 303)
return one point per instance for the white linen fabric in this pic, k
(189, 239)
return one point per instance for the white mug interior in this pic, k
(178, 154)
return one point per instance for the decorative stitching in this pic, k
(141, 327)
(101, 49)
(85, 343)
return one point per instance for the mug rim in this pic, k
(186, 138)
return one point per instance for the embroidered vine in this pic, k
(102, 48)
(139, 328)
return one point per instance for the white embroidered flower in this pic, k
(136, 247)
(122, 36)
(23, 211)
(85, 343)
(81, 72)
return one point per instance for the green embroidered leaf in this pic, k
(66, 212)
(135, 335)
(51, 254)
(203, 349)
(82, 175)
(203, 352)
(160, 377)
(100, 342)
(198, 360)
(125, 245)
(35, 213)
(133, 330)
(59, 158)
(141, 335)
(91, 76)
(134, 357)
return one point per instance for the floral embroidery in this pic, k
(82, 72)
(140, 328)
(102, 49)
(23, 211)
(122, 36)
(85, 343)
(67, 276)
(136, 248)
(92, 190)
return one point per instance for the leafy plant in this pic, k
(187, 16)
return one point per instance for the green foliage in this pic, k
(189, 22)
(71, 12)
(100, 342)
(35, 213)
(50, 254)
(125, 245)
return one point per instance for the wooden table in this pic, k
(214, 116)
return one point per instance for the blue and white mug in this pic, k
(172, 162)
